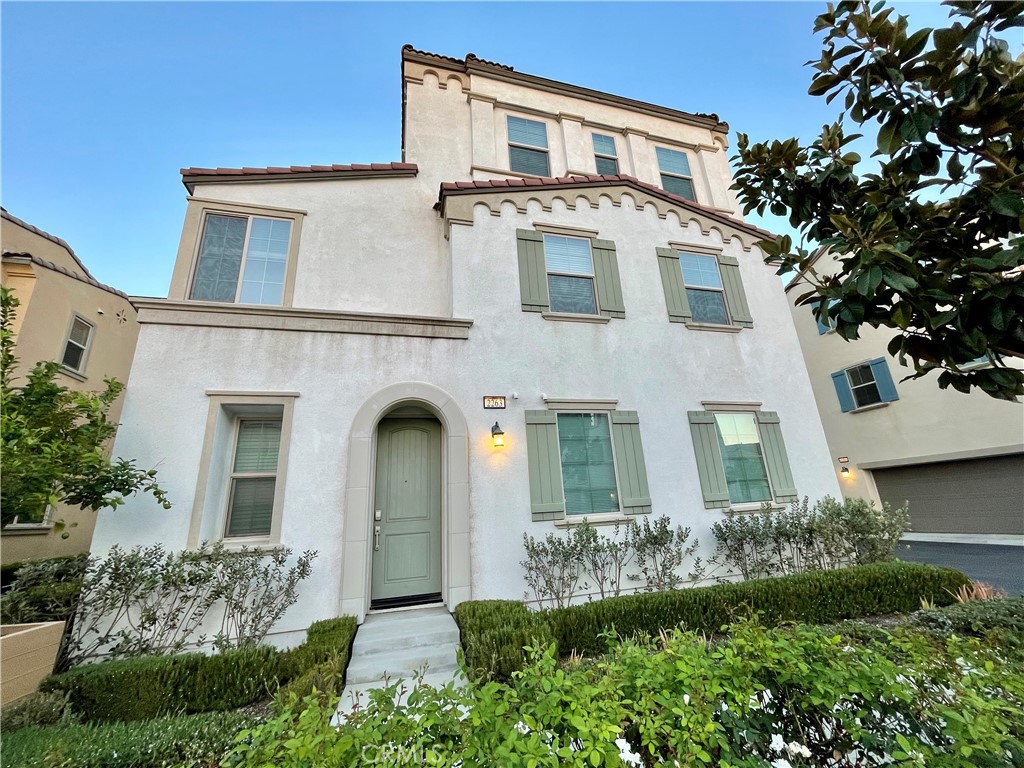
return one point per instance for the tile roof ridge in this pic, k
(52, 238)
(87, 279)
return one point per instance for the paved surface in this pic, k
(396, 646)
(996, 564)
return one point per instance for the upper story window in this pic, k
(570, 269)
(864, 385)
(242, 259)
(704, 288)
(605, 155)
(76, 348)
(675, 172)
(528, 146)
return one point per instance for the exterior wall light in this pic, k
(497, 436)
(845, 472)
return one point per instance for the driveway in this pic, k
(1000, 565)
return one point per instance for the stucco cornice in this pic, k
(494, 71)
(208, 315)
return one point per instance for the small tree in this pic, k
(931, 244)
(54, 440)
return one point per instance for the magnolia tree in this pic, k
(930, 245)
(55, 439)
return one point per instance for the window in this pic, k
(568, 278)
(703, 288)
(605, 155)
(242, 259)
(585, 459)
(588, 469)
(253, 478)
(741, 456)
(570, 269)
(243, 467)
(77, 345)
(527, 146)
(864, 385)
(675, 172)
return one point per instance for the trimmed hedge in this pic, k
(494, 632)
(193, 741)
(151, 686)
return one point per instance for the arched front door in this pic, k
(406, 525)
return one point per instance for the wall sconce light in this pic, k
(845, 472)
(497, 436)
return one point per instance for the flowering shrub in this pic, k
(801, 696)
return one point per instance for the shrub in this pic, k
(146, 687)
(975, 617)
(319, 664)
(42, 590)
(660, 550)
(494, 632)
(36, 709)
(193, 741)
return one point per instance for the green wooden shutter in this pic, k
(672, 282)
(533, 275)
(734, 295)
(630, 468)
(547, 501)
(709, 459)
(775, 456)
(606, 271)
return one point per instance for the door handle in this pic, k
(376, 538)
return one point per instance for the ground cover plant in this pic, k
(753, 696)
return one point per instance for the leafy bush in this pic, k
(494, 632)
(831, 534)
(755, 697)
(976, 617)
(43, 590)
(193, 741)
(36, 709)
(660, 550)
(151, 686)
(319, 664)
(147, 601)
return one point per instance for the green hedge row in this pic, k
(192, 741)
(151, 686)
(494, 632)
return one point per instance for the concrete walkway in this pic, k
(397, 645)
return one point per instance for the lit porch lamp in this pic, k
(497, 436)
(845, 471)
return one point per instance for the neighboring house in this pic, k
(90, 328)
(321, 374)
(958, 459)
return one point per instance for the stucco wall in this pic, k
(926, 423)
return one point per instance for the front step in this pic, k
(397, 645)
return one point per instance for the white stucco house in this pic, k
(324, 370)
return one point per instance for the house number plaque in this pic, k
(494, 402)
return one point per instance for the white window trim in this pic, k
(618, 513)
(232, 475)
(592, 276)
(602, 155)
(689, 178)
(545, 150)
(213, 512)
(854, 388)
(704, 324)
(43, 526)
(745, 507)
(80, 371)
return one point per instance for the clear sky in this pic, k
(103, 103)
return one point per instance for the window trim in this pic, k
(546, 150)
(45, 525)
(743, 506)
(592, 276)
(662, 173)
(729, 323)
(618, 513)
(194, 228)
(855, 387)
(209, 514)
(80, 371)
(233, 475)
(601, 155)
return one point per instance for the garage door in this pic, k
(970, 496)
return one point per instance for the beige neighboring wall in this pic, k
(53, 288)
(926, 424)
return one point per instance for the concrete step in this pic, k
(378, 639)
(403, 662)
(401, 643)
(360, 693)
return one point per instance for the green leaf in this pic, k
(1008, 204)
(889, 139)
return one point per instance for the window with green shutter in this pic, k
(741, 458)
(568, 275)
(585, 464)
(703, 288)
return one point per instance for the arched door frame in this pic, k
(455, 536)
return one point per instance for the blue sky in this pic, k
(102, 103)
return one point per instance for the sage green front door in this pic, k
(407, 513)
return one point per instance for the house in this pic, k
(549, 267)
(66, 315)
(958, 459)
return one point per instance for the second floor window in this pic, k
(676, 177)
(570, 268)
(77, 345)
(605, 155)
(242, 259)
(704, 288)
(528, 146)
